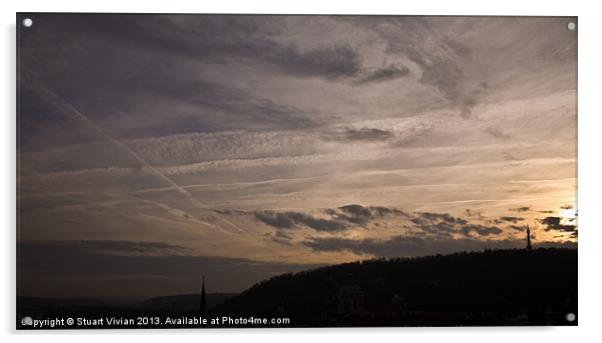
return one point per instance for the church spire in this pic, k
(203, 296)
(529, 247)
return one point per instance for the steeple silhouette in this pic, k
(529, 247)
(203, 296)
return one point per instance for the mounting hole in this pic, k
(571, 26)
(570, 317)
(27, 22)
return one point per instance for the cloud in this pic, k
(511, 219)
(555, 223)
(508, 219)
(339, 62)
(332, 63)
(444, 217)
(387, 73)
(340, 219)
(277, 220)
(235, 111)
(480, 230)
(217, 96)
(437, 225)
(144, 66)
(476, 214)
(520, 209)
(130, 247)
(497, 133)
(356, 213)
(444, 225)
(439, 56)
(280, 237)
(364, 134)
(288, 220)
(362, 215)
(113, 247)
(519, 228)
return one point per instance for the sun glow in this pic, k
(568, 216)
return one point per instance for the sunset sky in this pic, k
(154, 149)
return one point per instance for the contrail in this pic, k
(78, 116)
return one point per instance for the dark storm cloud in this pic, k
(402, 246)
(554, 223)
(288, 220)
(68, 269)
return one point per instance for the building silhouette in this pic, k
(350, 298)
(529, 247)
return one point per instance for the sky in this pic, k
(154, 149)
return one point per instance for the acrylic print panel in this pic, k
(214, 171)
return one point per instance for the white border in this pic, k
(590, 132)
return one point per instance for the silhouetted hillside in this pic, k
(503, 287)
